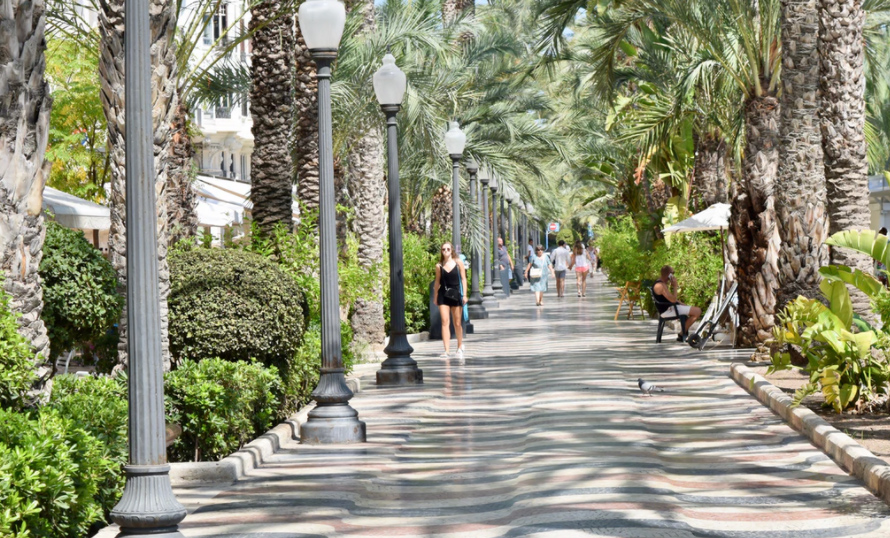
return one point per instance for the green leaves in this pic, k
(865, 241)
(220, 405)
(16, 359)
(81, 301)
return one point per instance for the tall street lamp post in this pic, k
(475, 308)
(148, 506)
(496, 284)
(399, 368)
(509, 242)
(488, 299)
(332, 420)
(455, 140)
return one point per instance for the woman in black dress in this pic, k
(450, 295)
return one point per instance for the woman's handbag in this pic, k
(535, 273)
(453, 294)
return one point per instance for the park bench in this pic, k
(663, 305)
(629, 294)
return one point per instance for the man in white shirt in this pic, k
(530, 250)
(561, 258)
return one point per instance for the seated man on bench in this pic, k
(666, 289)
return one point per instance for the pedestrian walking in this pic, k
(561, 258)
(594, 257)
(537, 272)
(581, 263)
(504, 259)
(530, 250)
(450, 296)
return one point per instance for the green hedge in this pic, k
(221, 405)
(16, 359)
(232, 304)
(81, 302)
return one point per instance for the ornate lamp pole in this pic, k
(509, 242)
(148, 506)
(488, 299)
(398, 368)
(496, 284)
(455, 140)
(475, 308)
(332, 420)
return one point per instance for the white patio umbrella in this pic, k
(713, 218)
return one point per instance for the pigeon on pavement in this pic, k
(647, 388)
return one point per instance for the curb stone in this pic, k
(852, 456)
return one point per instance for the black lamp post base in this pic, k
(477, 311)
(399, 376)
(148, 506)
(333, 424)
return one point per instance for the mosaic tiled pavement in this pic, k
(541, 431)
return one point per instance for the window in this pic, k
(244, 110)
(208, 31)
(215, 25)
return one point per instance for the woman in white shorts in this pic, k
(666, 287)
(582, 263)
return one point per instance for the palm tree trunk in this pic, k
(304, 150)
(753, 223)
(709, 172)
(367, 192)
(111, 77)
(842, 83)
(271, 106)
(25, 104)
(800, 183)
(182, 201)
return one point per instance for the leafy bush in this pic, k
(419, 270)
(232, 304)
(221, 405)
(695, 257)
(623, 259)
(81, 302)
(99, 404)
(16, 359)
(50, 476)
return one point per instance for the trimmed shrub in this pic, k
(234, 305)
(50, 475)
(221, 405)
(419, 270)
(16, 360)
(81, 302)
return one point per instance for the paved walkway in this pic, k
(542, 432)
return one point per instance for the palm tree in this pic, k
(304, 150)
(842, 84)
(111, 75)
(271, 101)
(800, 183)
(25, 103)
(367, 195)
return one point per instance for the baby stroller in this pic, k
(722, 313)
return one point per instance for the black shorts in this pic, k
(444, 301)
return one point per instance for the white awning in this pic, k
(215, 213)
(712, 218)
(73, 212)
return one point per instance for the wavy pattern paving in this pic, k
(542, 432)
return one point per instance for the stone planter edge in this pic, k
(853, 457)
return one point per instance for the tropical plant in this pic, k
(25, 102)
